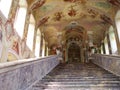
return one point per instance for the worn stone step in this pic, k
(75, 76)
(75, 86)
(76, 80)
(82, 75)
(95, 88)
(80, 78)
(80, 83)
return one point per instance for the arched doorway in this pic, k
(74, 53)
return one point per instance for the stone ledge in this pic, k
(108, 62)
(19, 75)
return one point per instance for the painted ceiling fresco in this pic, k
(62, 19)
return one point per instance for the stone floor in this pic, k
(77, 76)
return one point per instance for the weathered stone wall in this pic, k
(108, 62)
(20, 75)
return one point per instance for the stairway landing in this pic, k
(78, 76)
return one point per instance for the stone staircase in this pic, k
(77, 76)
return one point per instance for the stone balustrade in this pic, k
(20, 75)
(108, 62)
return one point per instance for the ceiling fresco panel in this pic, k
(92, 15)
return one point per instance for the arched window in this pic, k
(106, 46)
(5, 7)
(117, 19)
(20, 17)
(112, 40)
(37, 47)
(30, 34)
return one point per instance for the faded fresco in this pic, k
(12, 47)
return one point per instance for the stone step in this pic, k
(78, 83)
(76, 80)
(76, 86)
(81, 84)
(97, 72)
(82, 88)
(78, 77)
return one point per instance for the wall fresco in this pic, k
(103, 5)
(12, 47)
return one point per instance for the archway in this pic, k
(74, 53)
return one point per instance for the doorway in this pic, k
(74, 53)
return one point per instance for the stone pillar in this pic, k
(13, 10)
(46, 48)
(109, 45)
(43, 48)
(41, 45)
(34, 39)
(103, 48)
(26, 26)
(117, 38)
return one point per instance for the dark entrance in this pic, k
(74, 53)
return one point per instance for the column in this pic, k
(26, 26)
(117, 38)
(109, 45)
(13, 9)
(46, 45)
(41, 45)
(103, 48)
(34, 39)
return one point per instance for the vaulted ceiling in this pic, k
(61, 20)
